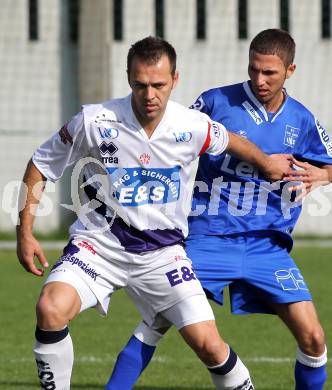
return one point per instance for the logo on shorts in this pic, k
(88, 246)
(178, 276)
(290, 279)
(85, 267)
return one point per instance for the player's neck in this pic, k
(274, 104)
(148, 124)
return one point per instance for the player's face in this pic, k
(151, 86)
(268, 73)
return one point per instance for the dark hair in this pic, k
(150, 50)
(275, 41)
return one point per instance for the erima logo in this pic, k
(252, 112)
(324, 138)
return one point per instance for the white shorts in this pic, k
(155, 281)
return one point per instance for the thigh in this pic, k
(91, 275)
(300, 317)
(217, 261)
(191, 310)
(58, 304)
(167, 279)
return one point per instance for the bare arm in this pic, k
(27, 246)
(273, 167)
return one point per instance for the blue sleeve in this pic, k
(316, 146)
(202, 104)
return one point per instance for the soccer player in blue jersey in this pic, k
(240, 225)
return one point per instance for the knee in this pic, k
(312, 341)
(49, 315)
(56, 307)
(210, 350)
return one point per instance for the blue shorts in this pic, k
(257, 270)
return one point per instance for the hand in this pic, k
(27, 248)
(309, 176)
(277, 165)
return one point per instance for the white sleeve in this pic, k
(217, 139)
(62, 149)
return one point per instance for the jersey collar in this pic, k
(261, 108)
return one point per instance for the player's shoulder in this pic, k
(112, 106)
(297, 106)
(222, 93)
(181, 113)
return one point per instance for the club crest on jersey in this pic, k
(144, 158)
(184, 136)
(291, 135)
(252, 112)
(110, 132)
(324, 137)
(108, 149)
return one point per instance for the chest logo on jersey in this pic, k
(291, 135)
(144, 158)
(184, 136)
(108, 150)
(252, 112)
(106, 133)
(138, 186)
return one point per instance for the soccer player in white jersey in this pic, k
(136, 153)
(241, 237)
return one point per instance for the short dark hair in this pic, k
(150, 50)
(275, 41)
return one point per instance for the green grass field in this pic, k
(262, 341)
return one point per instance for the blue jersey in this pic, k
(230, 195)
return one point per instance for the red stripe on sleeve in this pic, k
(207, 140)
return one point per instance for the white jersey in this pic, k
(137, 186)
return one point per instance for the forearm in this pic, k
(29, 197)
(246, 151)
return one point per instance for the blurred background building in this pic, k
(58, 54)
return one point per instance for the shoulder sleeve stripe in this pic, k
(207, 140)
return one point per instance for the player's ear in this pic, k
(175, 79)
(290, 70)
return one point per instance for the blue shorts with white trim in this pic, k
(258, 271)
